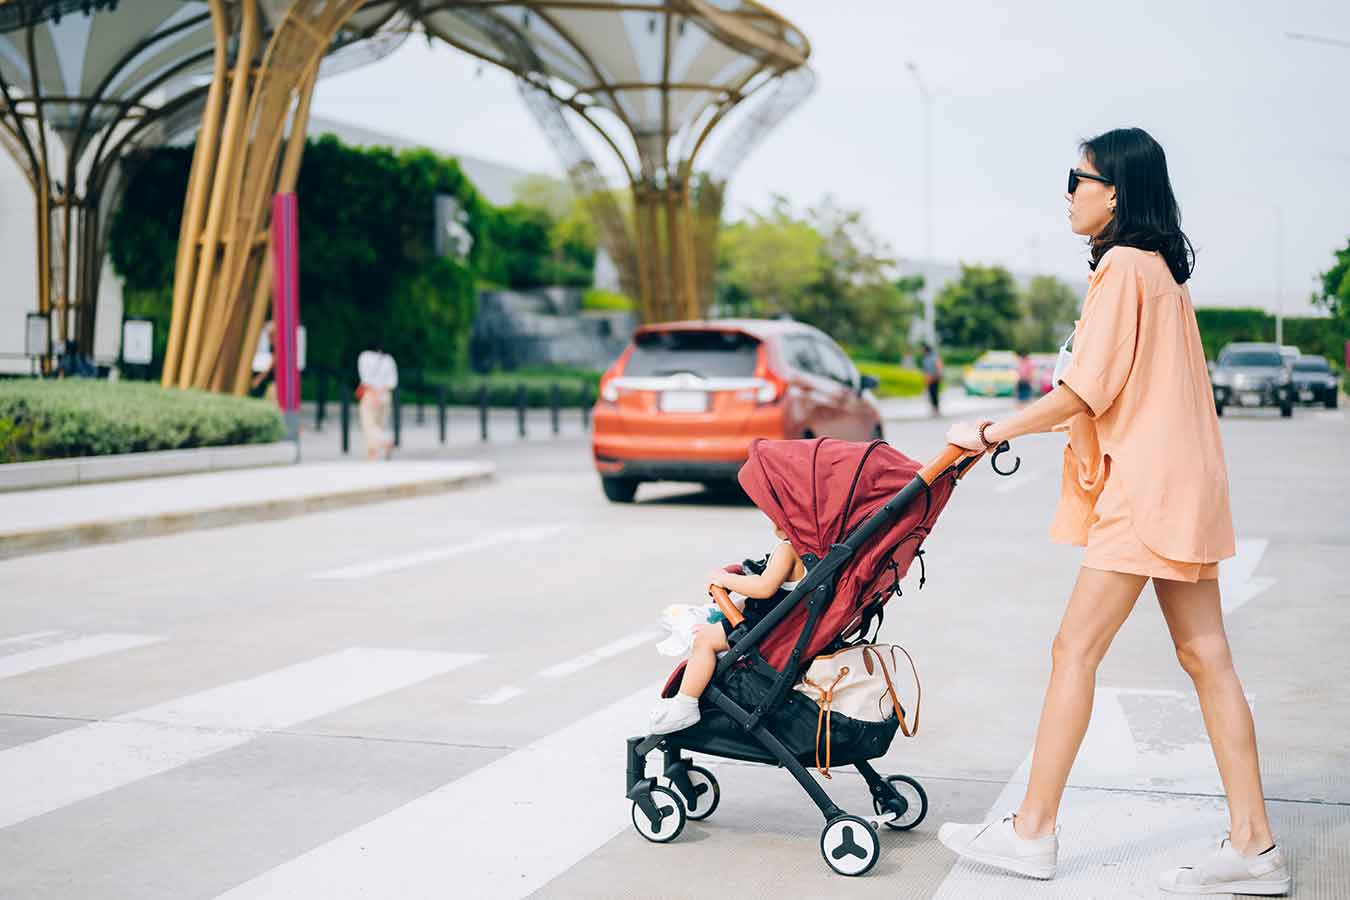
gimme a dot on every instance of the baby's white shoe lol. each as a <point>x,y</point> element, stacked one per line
<point>672,714</point>
<point>997,844</point>
<point>1225,871</point>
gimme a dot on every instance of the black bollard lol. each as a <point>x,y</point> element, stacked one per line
<point>483,412</point>
<point>440,409</point>
<point>421,397</point>
<point>398,417</point>
<point>555,401</point>
<point>320,410</point>
<point>586,406</point>
<point>345,413</point>
<point>520,410</point>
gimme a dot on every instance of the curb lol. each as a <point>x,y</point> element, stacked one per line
<point>114,530</point>
<point>51,473</point>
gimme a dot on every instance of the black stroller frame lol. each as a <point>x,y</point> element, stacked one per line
<point>849,843</point>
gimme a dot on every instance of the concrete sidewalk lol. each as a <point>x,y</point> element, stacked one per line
<point>33,521</point>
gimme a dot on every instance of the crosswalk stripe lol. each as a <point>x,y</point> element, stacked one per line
<point>502,831</point>
<point>613,648</point>
<point>422,557</point>
<point>1126,789</point>
<point>31,637</point>
<point>68,651</point>
<point>56,771</point>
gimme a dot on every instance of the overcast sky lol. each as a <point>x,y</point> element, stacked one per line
<point>1253,122</point>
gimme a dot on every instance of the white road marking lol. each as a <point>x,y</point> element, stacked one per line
<point>614,648</point>
<point>1238,582</point>
<point>1148,741</point>
<point>1331,415</point>
<point>69,651</point>
<point>1019,480</point>
<point>502,831</point>
<point>422,557</point>
<point>500,695</point>
<point>31,638</point>
<point>56,771</point>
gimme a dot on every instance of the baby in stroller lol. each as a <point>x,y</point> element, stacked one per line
<point>767,583</point>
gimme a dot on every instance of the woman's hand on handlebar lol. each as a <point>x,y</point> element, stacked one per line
<point>966,435</point>
<point>716,576</point>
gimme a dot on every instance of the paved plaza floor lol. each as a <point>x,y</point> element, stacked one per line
<point>428,697</point>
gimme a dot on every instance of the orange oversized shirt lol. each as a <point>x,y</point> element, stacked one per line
<point>1139,365</point>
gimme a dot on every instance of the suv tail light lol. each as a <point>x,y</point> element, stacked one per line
<point>609,392</point>
<point>772,387</point>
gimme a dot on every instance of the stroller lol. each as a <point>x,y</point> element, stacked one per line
<point>858,514</point>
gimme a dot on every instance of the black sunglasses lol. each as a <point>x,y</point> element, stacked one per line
<point>1076,176</point>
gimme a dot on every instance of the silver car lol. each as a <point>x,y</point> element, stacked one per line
<point>1252,375</point>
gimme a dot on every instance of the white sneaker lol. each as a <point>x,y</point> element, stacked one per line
<point>1226,871</point>
<point>997,844</point>
<point>672,714</point>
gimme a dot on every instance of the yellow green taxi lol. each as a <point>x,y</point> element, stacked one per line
<point>994,374</point>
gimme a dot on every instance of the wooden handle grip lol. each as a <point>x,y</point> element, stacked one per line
<point>950,456</point>
<point>723,601</point>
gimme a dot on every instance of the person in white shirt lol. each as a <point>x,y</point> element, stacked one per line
<point>379,376</point>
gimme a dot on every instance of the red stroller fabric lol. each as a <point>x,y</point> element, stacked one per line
<point>818,491</point>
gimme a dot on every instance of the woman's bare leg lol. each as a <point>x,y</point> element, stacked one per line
<point>1098,606</point>
<point>709,640</point>
<point>1195,618</point>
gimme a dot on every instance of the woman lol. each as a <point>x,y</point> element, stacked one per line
<point>1145,489</point>
<point>1026,370</point>
<point>379,377</point>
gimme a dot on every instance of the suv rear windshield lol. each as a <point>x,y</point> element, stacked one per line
<point>709,354</point>
<point>1267,358</point>
<point>1312,365</point>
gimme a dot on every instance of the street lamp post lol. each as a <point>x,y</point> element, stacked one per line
<point>929,314</point>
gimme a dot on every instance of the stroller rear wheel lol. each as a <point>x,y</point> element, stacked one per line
<point>668,810</point>
<point>850,845</point>
<point>910,802</point>
<point>706,793</point>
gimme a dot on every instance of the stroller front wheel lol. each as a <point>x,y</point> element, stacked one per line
<point>910,794</point>
<point>668,811</point>
<point>850,845</point>
<point>706,793</point>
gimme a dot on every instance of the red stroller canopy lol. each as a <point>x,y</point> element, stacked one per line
<point>818,491</point>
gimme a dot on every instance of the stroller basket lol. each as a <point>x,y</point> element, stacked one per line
<point>854,544</point>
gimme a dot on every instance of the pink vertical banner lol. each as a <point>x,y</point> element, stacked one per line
<point>285,301</point>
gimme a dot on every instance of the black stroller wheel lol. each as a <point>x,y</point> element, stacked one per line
<point>912,795</point>
<point>670,808</point>
<point>850,845</point>
<point>707,794</point>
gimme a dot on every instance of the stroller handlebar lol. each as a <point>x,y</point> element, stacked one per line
<point>963,459</point>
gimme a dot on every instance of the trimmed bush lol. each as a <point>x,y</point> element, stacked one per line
<point>896,381</point>
<point>82,417</point>
<point>606,301</point>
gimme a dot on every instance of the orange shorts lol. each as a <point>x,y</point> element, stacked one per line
<point>1113,545</point>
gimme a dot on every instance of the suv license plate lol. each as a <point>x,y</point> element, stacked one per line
<point>1250,399</point>
<point>684,401</point>
<point>1305,395</point>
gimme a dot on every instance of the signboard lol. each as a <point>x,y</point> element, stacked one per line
<point>138,342</point>
<point>300,340</point>
<point>37,335</point>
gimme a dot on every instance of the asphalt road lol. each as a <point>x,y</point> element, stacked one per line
<point>427,698</point>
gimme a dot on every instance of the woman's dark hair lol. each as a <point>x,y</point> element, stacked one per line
<point>1146,214</point>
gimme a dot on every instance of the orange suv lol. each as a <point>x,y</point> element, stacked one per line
<point>685,399</point>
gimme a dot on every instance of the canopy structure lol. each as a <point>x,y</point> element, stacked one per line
<point>654,78</point>
<point>79,93</point>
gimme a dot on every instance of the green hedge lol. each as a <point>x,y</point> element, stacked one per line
<point>1221,326</point>
<point>607,301</point>
<point>81,417</point>
<point>896,381</point>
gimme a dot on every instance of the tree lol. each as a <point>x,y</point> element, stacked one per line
<point>1049,307</point>
<point>1335,294</point>
<point>979,309</point>
<point>771,259</point>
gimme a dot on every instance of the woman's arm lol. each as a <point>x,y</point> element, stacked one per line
<point>1053,409</point>
<point>761,587</point>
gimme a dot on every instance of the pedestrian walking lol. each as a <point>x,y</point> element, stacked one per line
<point>931,366</point>
<point>263,382</point>
<point>379,376</point>
<point>1026,370</point>
<point>1145,489</point>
